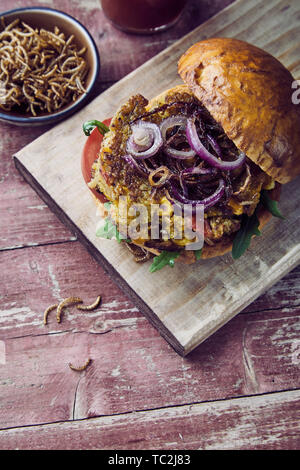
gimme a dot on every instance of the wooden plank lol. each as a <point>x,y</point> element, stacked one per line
<point>265,422</point>
<point>19,212</point>
<point>284,295</point>
<point>133,368</point>
<point>187,304</point>
<point>25,220</point>
<point>39,275</point>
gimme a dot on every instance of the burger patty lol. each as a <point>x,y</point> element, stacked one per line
<point>114,176</point>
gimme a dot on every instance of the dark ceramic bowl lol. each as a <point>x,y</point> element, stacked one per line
<point>47,18</point>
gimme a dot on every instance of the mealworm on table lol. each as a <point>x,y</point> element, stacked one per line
<point>64,303</point>
<point>48,310</point>
<point>92,306</point>
<point>81,367</point>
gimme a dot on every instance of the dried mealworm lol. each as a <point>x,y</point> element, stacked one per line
<point>81,367</point>
<point>26,53</point>
<point>64,303</point>
<point>47,311</point>
<point>92,306</point>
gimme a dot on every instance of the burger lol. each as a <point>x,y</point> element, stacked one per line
<point>226,139</point>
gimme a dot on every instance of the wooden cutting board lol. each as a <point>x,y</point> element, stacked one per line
<point>187,303</point>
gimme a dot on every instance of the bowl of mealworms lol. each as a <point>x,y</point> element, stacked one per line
<point>49,65</point>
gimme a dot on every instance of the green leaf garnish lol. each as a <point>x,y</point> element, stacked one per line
<point>249,227</point>
<point>88,126</point>
<point>120,238</point>
<point>107,205</point>
<point>109,230</point>
<point>198,254</point>
<point>166,258</point>
<point>270,204</point>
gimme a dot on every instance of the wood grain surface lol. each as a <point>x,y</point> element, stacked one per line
<point>239,389</point>
<point>239,424</point>
<point>187,303</point>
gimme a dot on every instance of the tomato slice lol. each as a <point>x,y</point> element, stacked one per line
<point>89,155</point>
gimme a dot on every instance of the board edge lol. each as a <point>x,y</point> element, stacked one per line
<point>95,253</point>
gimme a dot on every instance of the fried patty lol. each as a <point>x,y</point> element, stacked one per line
<point>114,177</point>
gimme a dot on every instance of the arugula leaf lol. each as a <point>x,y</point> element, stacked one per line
<point>107,205</point>
<point>88,126</point>
<point>109,230</point>
<point>270,204</point>
<point>198,254</point>
<point>120,237</point>
<point>166,258</point>
<point>249,227</point>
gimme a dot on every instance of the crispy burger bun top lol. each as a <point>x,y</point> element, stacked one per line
<point>249,93</point>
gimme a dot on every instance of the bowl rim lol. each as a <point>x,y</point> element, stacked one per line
<point>80,101</point>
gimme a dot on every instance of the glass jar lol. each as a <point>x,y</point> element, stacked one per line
<point>143,16</point>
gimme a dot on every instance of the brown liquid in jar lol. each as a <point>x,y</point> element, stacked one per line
<point>143,15</point>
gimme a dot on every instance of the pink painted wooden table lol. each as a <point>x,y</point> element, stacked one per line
<point>238,390</point>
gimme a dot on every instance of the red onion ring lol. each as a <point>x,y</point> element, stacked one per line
<point>168,123</point>
<point>180,154</point>
<point>154,133</point>
<point>165,175</point>
<point>193,171</point>
<point>215,145</point>
<point>183,185</point>
<point>207,202</point>
<point>196,170</point>
<point>137,147</point>
<point>196,144</point>
<point>135,165</point>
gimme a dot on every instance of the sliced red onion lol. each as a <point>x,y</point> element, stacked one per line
<point>170,122</point>
<point>154,137</point>
<point>180,154</point>
<point>164,173</point>
<point>141,139</point>
<point>183,186</point>
<point>196,170</point>
<point>207,202</point>
<point>135,165</point>
<point>167,124</point>
<point>215,145</point>
<point>199,148</point>
<point>193,171</point>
